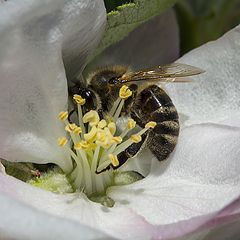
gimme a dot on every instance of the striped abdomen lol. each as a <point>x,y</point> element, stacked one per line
<point>153,104</point>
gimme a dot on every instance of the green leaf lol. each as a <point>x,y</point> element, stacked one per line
<point>113,4</point>
<point>201,21</point>
<point>128,16</point>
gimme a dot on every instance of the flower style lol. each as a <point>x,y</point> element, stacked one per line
<point>192,192</point>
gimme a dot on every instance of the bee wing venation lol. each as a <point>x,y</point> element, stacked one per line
<point>166,73</point>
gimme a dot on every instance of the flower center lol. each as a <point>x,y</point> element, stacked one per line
<point>93,145</point>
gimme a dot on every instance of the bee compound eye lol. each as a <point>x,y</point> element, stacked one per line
<point>113,81</point>
<point>91,100</point>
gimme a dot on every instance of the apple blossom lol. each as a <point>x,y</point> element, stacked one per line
<point>197,189</point>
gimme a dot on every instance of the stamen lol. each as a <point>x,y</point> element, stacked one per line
<point>70,127</point>
<point>105,144</point>
<point>91,136</point>
<point>77,146</point>
<point>102,124</point>
<point>79,100</point>
<point>96,148</point>
<point>84,144</point>
<point>112,127</point>
<point>118,111</point>
<point>136,138</point>
<point>125,92</point>
<point>131,123</point>
<point>62,141</point>
<point>114,160</point>
<point>92,118</point>
<point>77,130</point>
<point>151,124</point>
<point>117,140</point>
<point>63,116</point>
<point>115,106</point>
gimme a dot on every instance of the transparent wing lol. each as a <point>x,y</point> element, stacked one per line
<point>175,72</point>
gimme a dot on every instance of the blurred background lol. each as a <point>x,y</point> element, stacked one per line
<point>199,21</point>
<point>165,38</point>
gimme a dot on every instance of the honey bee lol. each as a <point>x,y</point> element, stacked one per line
<point>148,102</point>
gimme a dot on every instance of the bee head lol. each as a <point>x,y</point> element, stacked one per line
<point>101,79</point>
<point>86,93</point>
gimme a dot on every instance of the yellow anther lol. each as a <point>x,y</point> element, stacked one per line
<point>102,124</point>
<point>70,127</point>
<point>125,92</point>
<point>62,141</point>
<point>81,145</point>
<point>84,144</point>
<point>117,139</point>
<point>101,136</point>
<point>77,130</point>
<point>92,117</point>
<point>131,123</point>
<point>114,160</point>
<point>91,136</point>
<point>112,127</point>
<point>78,99</point>
<point>108,132</point>
<point>151,125</point>
<point>77,146</point>
<point>136,138</point>
<point>105,144</point>
<point>63,116</point>
<point>104,138</point>
<point>92,146</point>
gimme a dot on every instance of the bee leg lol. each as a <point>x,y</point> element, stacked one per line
<point>103,170</point>
<point>131,151</point>
<point>100,113</point>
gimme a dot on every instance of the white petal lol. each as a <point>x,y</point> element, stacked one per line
<point>205,153</point>
<point>214,95</point>
<point>200,178</point>
<point>33,87</point>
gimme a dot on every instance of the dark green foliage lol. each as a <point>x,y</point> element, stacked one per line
<point>201,20</point>
<point>113,4</point>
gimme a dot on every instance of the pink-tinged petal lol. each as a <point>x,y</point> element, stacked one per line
<point>40,206</point>
<point>214,95</point>
<point>47,211</point>
<point>20,221</point>
<point>2,169</point>
<point>33,85</point>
